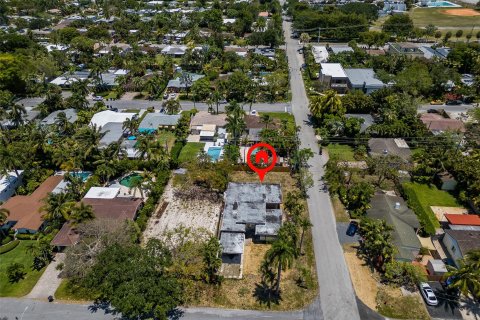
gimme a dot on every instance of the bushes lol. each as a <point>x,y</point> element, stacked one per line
<point>6,240</point>
<point>155,194</point>
<point>175,153</point>
<point>26,236</point>
<point>9,246</point>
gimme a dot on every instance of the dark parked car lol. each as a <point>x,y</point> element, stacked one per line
<point>453,102</point>
<point>352,228</point>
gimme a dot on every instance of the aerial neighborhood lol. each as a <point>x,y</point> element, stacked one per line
<point>243,159</point>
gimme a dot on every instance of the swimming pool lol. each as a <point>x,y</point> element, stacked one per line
<point>128,180</point>
<point>82,174</point>
<point>441,4</point>
<point>214,153</point>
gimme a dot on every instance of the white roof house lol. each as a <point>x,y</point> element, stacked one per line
<point>102,118</point>
<point>102,193</point>
<point>334,70</point>
<point>320,54</point>
<point>8,183</point>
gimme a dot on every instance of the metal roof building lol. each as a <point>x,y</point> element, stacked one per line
<point>71,115</point>
<point>363,79</point>
<point>153,121</point>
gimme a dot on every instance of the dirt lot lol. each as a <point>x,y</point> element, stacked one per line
<point>462,12</point>
<point>200,214</point>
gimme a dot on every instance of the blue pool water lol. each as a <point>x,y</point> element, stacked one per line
<point>441,4</point>
<point>214,153</point>
<point>82,174</point>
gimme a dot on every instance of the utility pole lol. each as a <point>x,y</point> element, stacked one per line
<point>318,36</point>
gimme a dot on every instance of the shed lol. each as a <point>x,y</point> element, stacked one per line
<point>436,267</point>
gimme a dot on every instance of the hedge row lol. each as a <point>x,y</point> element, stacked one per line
<point>153,198</point>
<point>175,153</point>
<point>427,219</point>
<point>9,246</point>
<point>26,236</point>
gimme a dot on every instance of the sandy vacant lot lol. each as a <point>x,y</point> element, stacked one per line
<point>174,213</point>
<point>462,12</point>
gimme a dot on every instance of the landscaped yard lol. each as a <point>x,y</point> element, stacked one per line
<point>280,116</point>
<point>166,138</point>
<point>190,151</point>
<point>24,286</point>
<point>437,16</point>
<point>340,152</point>
<point>68,291</point>
<point>421,196</point>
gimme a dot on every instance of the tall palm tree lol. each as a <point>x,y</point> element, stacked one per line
<point>466,278</point>
<point>9,159</point>
<point>4,213</point>
<point>137,184</point>
<point>57,207</point>
<point>315,105</point>
<point>304,224</point>
<point>235,126</point>
<point>172,106</point>
<point>105,172</point>
<point>281,255</point>
<point>62,123</point>
<point>16,114</point>
<point>130,125</point>
<point>266,119</point>
<point>81,213</point>
<point>216,97</point>
<point>186,80</point>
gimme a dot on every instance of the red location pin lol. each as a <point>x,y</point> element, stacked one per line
<point>261,157</point>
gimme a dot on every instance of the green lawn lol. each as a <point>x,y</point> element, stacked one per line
<point>280,116</point>
<point>421,197</point>
<point>25,285</point>
<point>68,291</point>
<point>166,138</point>
<point>341,152</point>
<point>190,151</point>
<point>425,16</point>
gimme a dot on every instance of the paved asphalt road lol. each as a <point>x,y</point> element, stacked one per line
<point>460,108</point>
<point>337,297</point>
<point>186,105</point>
<point>27,309</point>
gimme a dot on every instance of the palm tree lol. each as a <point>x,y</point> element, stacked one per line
<point>172,106</point>
<point>266,119</point>
<point>130,125</point>
<point>281,255</point>
<point>186,81</point>
<point>235,125</point>
<point>216,98</point>
<point>466,278</point>
<point>105,172</point>
<point>377,244</point>
<point>16,114</point>
<point>315,105</point>
<point>304,38</point>
<point>9,159</point>
<point>304,225</point>
<point>137,183</point>
<point>57,207</point>
<point>82,212</point>
<point>62,123</point>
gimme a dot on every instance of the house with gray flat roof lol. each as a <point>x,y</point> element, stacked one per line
<point>252,210</point>
<point>153,121</point>
<point>405,224</point>
<point>113,132</point>
<point>52,117</point>
<point>363,79</point>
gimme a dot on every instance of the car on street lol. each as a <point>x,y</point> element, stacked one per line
<point>253,112</point>
<point>428,294</point>
<point>352,228</point>
<point>172,96</point>
<point>432,111</point>
<point>436,102</point>
<point>453,102</point>
<point>97,98</point>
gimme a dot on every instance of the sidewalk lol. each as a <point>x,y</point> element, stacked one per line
<point>49,281</point>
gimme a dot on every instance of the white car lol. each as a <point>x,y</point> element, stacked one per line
<point>428,294</point>
<point>172,96</point>
<point>98,98</point>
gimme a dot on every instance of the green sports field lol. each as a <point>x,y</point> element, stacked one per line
<point>436,16</point>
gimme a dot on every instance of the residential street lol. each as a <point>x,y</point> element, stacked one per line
<point>337,297</point>
<point>186,105</point>
<point>26,309</point>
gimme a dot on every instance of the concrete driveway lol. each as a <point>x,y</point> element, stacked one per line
<point>342,234</point>
<point>448,307</point>
<point>49,281</point>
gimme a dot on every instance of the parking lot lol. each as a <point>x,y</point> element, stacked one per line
<point>448,306</point>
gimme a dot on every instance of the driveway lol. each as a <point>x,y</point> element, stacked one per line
<point>342,234</point>
<point>448,306</point>
<point>337,296</point>
<point>49,281</point>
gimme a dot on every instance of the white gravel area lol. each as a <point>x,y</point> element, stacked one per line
<point>194,214</point>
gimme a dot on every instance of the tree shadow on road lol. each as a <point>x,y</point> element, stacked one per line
<point>266,295</point>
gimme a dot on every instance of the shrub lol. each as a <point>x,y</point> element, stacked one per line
<point>26,236</point>
<point>6,240</point>
<point>9,246</point>
<point>15,272</point>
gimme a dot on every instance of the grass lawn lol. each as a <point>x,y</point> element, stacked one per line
<point>425,16</point>
<point>280,116</point>
<point>70,292</point>
<point>341,152</point>
<point>341,214</point>
<point>25,285</point>
<point>166,138</point>
<point>421,197</point>
<point>400,307</point>
<point>190,151</point>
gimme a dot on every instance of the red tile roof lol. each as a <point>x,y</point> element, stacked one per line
<point>26,210</point>
<point>463,219</point>
<point>67,236</point>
